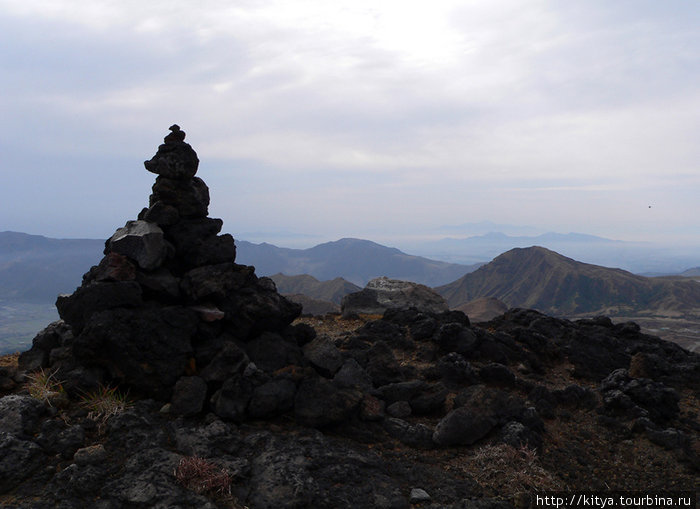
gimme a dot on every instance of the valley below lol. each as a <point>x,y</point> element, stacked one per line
<point>20,322</point>
<point>682,331</point>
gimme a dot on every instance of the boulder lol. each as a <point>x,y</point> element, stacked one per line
<point>214,282</point>
<point>272,398</point>
<point>516,434</point>
<point>113,267</point>
<point>189,395</point>
<point>140,241</point>
<point>229,361</point>
<point>455,370</point>
<point>19,459</point>
<point>56,334</point>
<point>77,308</point>
<point>20,415</point>
<point>319,403</point>
<point>383,293</point>
<point>634,397</point>
<point>463,426</point>
<point>160,285</point>
<point>324,356</point>
<point>414,435</point>
<point>351,374</point>
<point>400,409</point>
<point>231,401</point>
<point>271,351</point>
<point>497,374</point>
<point>455,337</point>
<point>161,214</point>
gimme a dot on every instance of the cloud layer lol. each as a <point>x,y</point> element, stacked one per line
<point>357,117</point>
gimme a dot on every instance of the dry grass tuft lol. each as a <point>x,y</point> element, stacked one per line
<point>502,466</point>
<point>104,403</point>
<point>43,386</point>
<point>202,476</point>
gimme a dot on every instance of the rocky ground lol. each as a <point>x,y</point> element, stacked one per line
<point>468,430</point>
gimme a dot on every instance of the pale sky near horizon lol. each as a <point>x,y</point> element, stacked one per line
<point>374,119</point>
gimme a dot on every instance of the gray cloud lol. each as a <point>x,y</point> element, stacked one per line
<point>354,117</point>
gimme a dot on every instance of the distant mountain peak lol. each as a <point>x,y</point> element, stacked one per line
<point>536,277</point>
<point>356,260</point>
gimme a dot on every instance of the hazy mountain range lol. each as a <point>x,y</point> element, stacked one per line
<point>355,260</point>
<point>637,257</point>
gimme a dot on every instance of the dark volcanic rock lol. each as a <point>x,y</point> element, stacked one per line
<point>140,241</point>
<point>113,267</point>
<point>497,374</point>
<point>146,349</point>
<point>271,352</point>
<point>19,459</point>
<point>76,309</point>
<point>272,398</point>
<point>20,415</point>
<point>175,159</point>
<point>351,374</point>
<point>454,337</point>
<point>189,197</point>
<point>639,397</point>
<point>455,370</point>
<point>414,435</point>
<point>189,395</point>
<point>324,356</point>
<point>55,335</point>
<point>229,360</point>
<point>462,427</point>
<point>319,403</point>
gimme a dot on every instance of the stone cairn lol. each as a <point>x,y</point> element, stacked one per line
<point>168,315</point>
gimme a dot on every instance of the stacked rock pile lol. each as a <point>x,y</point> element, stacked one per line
<point>167,300</point>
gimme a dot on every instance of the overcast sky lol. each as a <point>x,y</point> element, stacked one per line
<point>368,118</point>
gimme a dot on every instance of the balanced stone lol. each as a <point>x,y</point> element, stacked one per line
<point>175,159</point>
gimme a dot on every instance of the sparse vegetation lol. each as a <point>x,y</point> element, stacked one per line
<point>504,467</point>
<point>203,476</point>
<point>43,386</point>
<point>103,403</point>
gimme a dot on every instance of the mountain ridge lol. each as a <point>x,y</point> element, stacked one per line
<point>356,260</point>
<point>542,279</point>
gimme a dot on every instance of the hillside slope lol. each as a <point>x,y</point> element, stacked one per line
<point>355,260</point>
<point>538,278</point>
<point>332,291</point>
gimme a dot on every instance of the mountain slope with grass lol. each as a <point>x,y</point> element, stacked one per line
<point>541,279</point>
